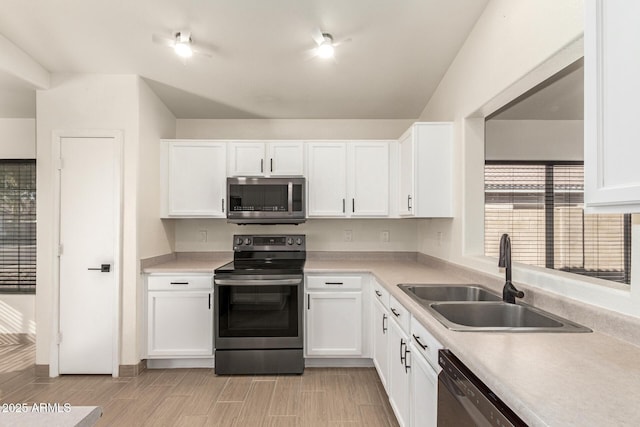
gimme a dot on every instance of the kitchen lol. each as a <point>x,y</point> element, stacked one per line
<point>461,96</point>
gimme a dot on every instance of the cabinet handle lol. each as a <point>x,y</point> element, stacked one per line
<point>271,164</point>
<point>261,165</point>
<point>379,293</point>
<point>353,205</point>
<point>308,302</point>
<point>384,326</point>
<point>179,283</point>
<point>402,354</point>
<point>407,366</point>
<point>395,313</point>
<point>424,347</point>
<point>222,205</point>
<point>409,202</point>
<point>334,283</point>
<point>209,301</point>
<point>343,210</point>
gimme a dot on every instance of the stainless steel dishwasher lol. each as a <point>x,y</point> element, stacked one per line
<point>463,400</point>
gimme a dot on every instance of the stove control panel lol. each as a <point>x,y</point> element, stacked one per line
<point>269,242</point>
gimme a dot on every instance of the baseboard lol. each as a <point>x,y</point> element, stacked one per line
<point>132,370</point>
<point>338,363</point>
<point>42,371</point>
<point>180,363</point>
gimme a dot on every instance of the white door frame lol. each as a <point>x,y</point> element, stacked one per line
<point>57,136</point>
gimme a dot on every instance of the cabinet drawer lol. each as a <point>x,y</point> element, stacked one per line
<point>425,343</point>
<point>334,282</point>
<point>400,314</point>
<point>380,293</point>
<point>182,282</point>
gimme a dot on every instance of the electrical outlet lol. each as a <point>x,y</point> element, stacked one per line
<point>202,236</point>
<point>384,236</point>
<point>348,235</point>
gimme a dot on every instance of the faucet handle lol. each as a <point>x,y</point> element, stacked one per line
<point>510,293</point>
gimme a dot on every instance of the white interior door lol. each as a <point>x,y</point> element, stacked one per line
<point>89,212</point>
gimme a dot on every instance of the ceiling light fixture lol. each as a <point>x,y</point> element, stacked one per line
<point>326,49</point>
<point>183,44</point>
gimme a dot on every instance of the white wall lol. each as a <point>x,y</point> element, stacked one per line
<point>17,138</point>
<point>154,236</point>
<point>291,129</point>
<point>322,234</point>
<point>17,141</point>
<point>87,101</point>
<point>17,314</point>
<point>534,140</point>
<point>513,47</point>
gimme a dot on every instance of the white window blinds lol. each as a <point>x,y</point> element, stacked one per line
<point>17,226</point>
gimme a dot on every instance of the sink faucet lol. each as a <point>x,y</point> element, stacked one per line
<point>509,292</point>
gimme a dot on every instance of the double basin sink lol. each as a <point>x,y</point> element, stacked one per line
<point>474,308</point>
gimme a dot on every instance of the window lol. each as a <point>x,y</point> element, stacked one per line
<point>540,205</point>
<point>17,226</point>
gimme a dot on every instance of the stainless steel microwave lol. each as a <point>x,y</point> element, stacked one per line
<point>266,200</point>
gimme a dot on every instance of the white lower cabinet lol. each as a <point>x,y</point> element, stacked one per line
<point>399,373</point>
<point>179,316</point>
<point>334,324</point>
<point>424,376</point>
<point>380,327</point>
<point>335,316</point>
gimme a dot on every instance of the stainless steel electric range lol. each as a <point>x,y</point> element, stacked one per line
<point>258,306</point>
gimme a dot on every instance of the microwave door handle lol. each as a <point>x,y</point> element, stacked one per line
<point>290,197</point>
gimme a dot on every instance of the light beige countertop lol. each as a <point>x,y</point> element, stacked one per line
<point>548,379</point>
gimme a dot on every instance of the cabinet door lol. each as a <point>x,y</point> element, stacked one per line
<point>285,158</point>
<point>424,392</point>
<point>180,323</point>
<point>368,178</point>
<point>334,324</point>
<point>246,158</point>
<point>380,327</point>
<point>399,373</point>
<point>611,92</point>
<point>194,179</point>
<point>327,179</point>
<point>406,174</point>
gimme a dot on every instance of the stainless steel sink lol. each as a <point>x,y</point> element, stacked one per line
<point>431,293</point>
<point>475,308</point>
<point>500,317</point>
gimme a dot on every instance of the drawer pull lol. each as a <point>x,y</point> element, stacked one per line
<point>379,293</point>
<point>395,313</point>
<point>334,283</point>
<point>179,283</point>
<point>417,339</point>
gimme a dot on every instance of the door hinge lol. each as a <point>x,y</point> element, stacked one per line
<point>59,338</point>
<point>60,249</point>
<point>60,164</point>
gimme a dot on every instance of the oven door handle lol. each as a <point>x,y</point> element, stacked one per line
<point>256,282</point>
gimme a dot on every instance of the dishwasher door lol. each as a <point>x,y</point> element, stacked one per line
<point>463,400</point>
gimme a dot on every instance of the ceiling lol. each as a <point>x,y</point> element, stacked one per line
<point>261,65</point>
<point>561,97</point>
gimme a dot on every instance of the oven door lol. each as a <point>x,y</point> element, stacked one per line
<point>258,312</point>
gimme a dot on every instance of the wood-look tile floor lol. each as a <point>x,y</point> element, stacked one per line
<point>197,397</point>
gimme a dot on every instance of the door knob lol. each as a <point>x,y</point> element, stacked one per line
<point>104,268</point>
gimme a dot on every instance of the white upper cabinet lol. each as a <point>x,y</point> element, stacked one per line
<point>368,178</point>
<point>193,174</point>
<point>425,171</point>
<point>327,178</point>
<point>273,158</point>
<point>348,179</point>
<point>612,90</point>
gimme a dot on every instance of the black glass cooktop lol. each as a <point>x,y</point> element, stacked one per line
<point>290,266</point>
